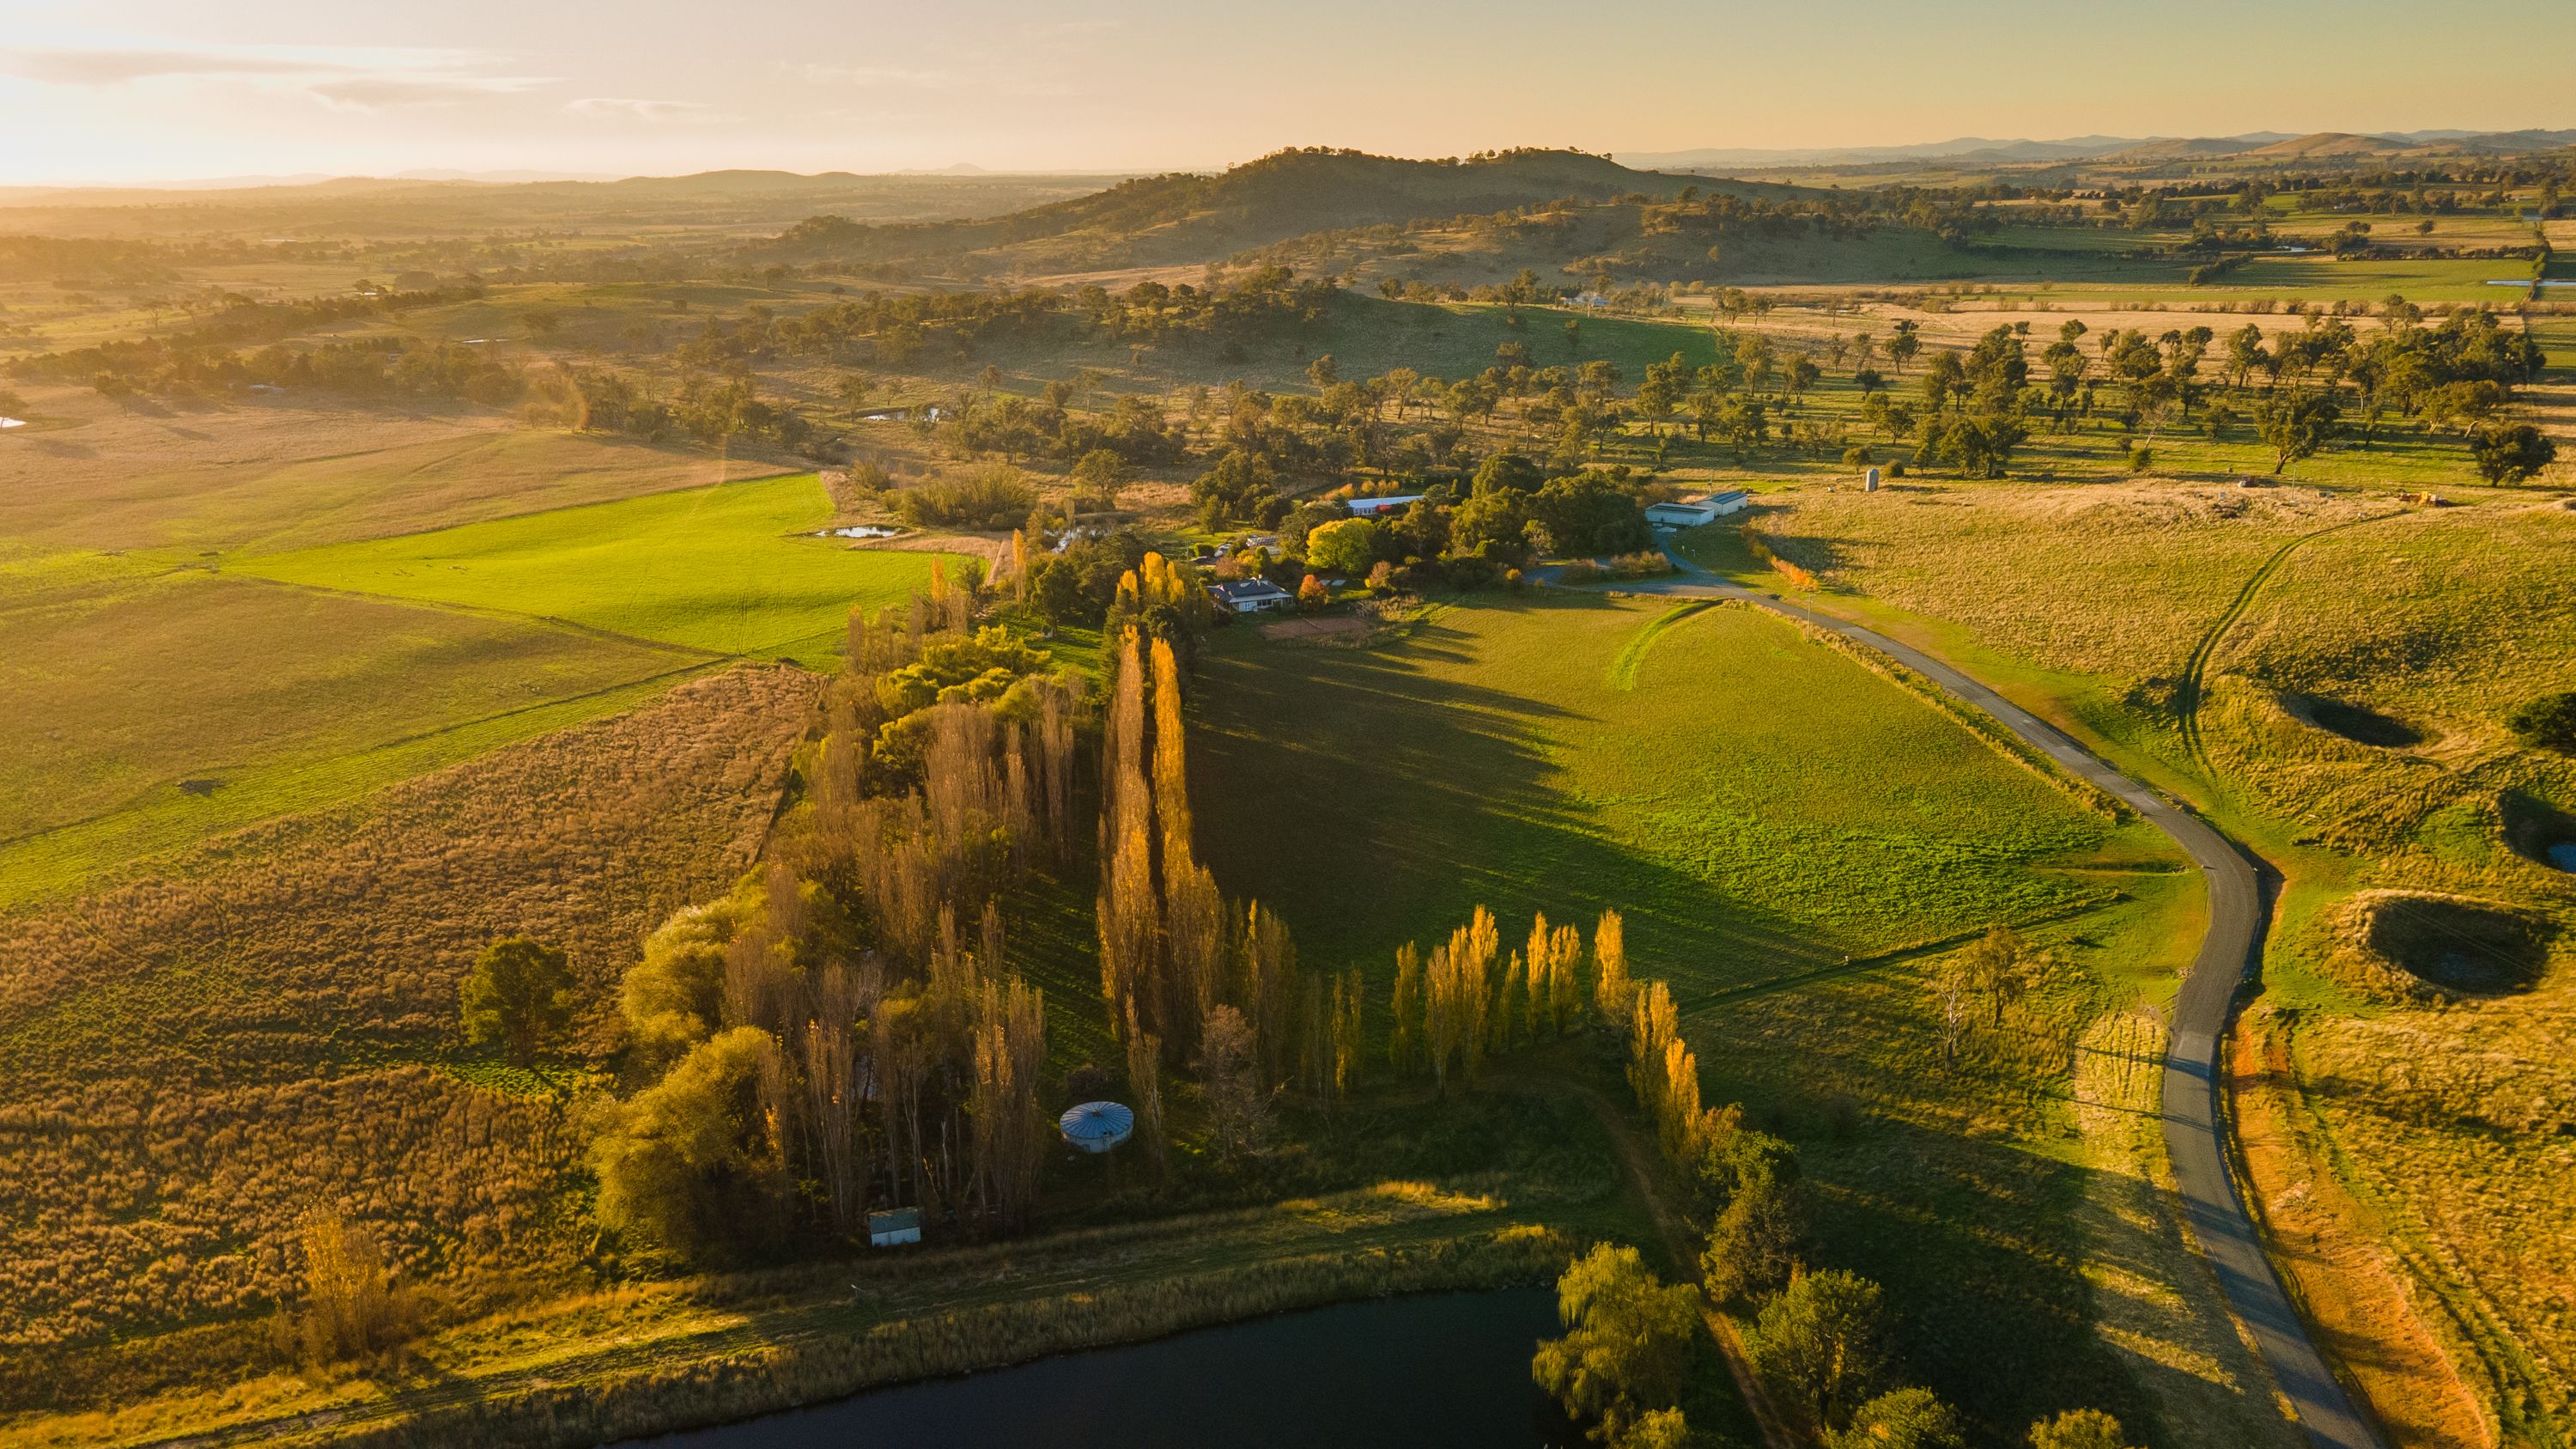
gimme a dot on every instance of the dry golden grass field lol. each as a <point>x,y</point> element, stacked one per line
<point>190,1059</point>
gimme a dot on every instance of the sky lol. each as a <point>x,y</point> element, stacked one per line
<point>161,90</point>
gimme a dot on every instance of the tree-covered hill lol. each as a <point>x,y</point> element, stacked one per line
<point>1185,217</point>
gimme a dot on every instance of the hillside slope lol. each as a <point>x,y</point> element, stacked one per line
<point>1184,217</point>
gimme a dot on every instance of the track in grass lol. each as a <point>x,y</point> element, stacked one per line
<point>1632,655</point>
<point>2196,670</point>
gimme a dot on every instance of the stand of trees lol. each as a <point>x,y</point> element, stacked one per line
<point>2302,391</point>
<point>1469,1001</point>
<point>843,1032</point>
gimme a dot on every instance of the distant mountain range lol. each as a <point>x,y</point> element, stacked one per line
<point>1980,149</point>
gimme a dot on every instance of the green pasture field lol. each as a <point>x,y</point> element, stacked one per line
<point>1754,803</point>
<point>1760,807</point>
<point>153,711</point>
<point>722,569</point>
<point>2557,336</point>
<point>159,701</point>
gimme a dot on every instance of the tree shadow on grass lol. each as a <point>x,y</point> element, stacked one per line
<point>1939,1194</point>
<point>1371,801</point>
<point>1976,1244</point>
<point>2023,1283</point>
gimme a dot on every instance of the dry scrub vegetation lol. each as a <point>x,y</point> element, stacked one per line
<point>266,1026</point>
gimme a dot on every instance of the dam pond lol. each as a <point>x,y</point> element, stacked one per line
<point>1439,1371</point>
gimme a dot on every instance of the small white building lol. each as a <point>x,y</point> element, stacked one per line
<point>894,1227</point>
<point>1692,512</point>
<point>1250,596</point>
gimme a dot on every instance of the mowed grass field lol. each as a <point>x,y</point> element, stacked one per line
<point>724,569</point>
<point>1760,807</point>
<point>158,695</point>
<point>1753,802</point>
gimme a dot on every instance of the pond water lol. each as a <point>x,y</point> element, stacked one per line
<point>861,530</point>
<point>1442,1371</point>
<point>2563,855</point>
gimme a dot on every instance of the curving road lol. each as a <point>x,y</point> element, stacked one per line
<point>2192,1105</point>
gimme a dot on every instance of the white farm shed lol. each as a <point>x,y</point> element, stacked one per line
<point>1692,512</point>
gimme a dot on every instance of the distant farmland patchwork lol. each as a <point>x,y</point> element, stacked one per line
<point>313,676</point>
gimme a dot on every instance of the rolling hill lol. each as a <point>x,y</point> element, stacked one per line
<point>1184,217</point>
<point>2324,144</point>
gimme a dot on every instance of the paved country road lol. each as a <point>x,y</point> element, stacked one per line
<point>2191,1093</point>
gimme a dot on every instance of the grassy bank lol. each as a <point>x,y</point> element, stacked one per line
<point>597,1367</point>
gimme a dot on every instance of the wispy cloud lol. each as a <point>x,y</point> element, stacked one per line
<point>880,77</point>
<point>118,67</point>
<point>662,113</point>
<point>346,79</point>
<point>1052,30</point>
<point>384,92</point>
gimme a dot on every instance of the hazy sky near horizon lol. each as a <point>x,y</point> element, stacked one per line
<point>135,90</point>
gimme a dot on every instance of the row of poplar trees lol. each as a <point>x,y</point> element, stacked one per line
<point>1195,983</point>
<point>1469,1002</point>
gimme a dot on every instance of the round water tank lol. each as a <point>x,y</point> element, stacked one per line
<point>1096,1126</point>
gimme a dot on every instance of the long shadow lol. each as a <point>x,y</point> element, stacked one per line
<point>1373,802</point>
<point>1973,1236</point>
<point>1969,1238</point>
